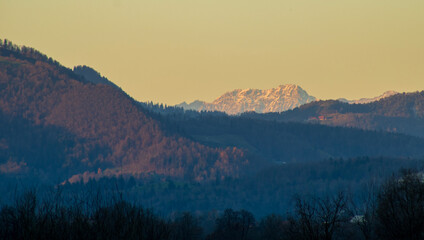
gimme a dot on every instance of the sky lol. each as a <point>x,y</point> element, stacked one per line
<point>170,51</point>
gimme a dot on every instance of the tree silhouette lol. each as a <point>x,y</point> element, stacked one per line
<point>400,210</point>
<point>233,225</point>
<point>319,218</point>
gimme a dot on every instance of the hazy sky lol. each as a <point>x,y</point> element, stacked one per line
<point>171,51</point>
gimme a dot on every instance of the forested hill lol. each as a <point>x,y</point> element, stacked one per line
<point>295,142</point>
<point>96,127</point>
<point>282,141</point>
<point>402,113</point>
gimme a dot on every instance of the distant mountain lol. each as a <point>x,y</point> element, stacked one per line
<point>279,99</point>
<point>368,100</point>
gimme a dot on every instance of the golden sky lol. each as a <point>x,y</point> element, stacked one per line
<point>171,51</point>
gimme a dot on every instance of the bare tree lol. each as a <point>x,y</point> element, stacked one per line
<point>400,209</point>
<point>364,211</point>
<point>318,218</point>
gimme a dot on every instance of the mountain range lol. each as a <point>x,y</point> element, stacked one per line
<point>280,99</point>
<point>368,100</point>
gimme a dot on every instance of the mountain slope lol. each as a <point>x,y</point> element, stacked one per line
<point>279,99</point>
<point>111,130</point>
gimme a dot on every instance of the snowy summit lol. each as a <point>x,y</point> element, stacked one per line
<point>280,99</point>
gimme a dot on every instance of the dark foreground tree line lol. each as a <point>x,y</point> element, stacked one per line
<point>394,210</point>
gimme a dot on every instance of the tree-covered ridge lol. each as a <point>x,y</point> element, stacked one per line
<point>29,54</point>
<point>285,141</point>
<point>294,142</point>
<point>118,134</point>
<point>401,113</point>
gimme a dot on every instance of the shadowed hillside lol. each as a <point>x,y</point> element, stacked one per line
<point>295,142</point>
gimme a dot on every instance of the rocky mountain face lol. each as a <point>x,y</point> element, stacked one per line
<point>282,98</point>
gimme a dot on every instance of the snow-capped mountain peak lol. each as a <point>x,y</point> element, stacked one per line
<point>368,100</point>
<point>279,99</point>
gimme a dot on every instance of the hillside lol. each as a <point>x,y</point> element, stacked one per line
<point>294,142</point>
<point>401,113</point>
<point>112,133</point>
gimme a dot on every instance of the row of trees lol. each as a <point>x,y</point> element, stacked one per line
<point>8,48</point>
<point>394,210</point>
